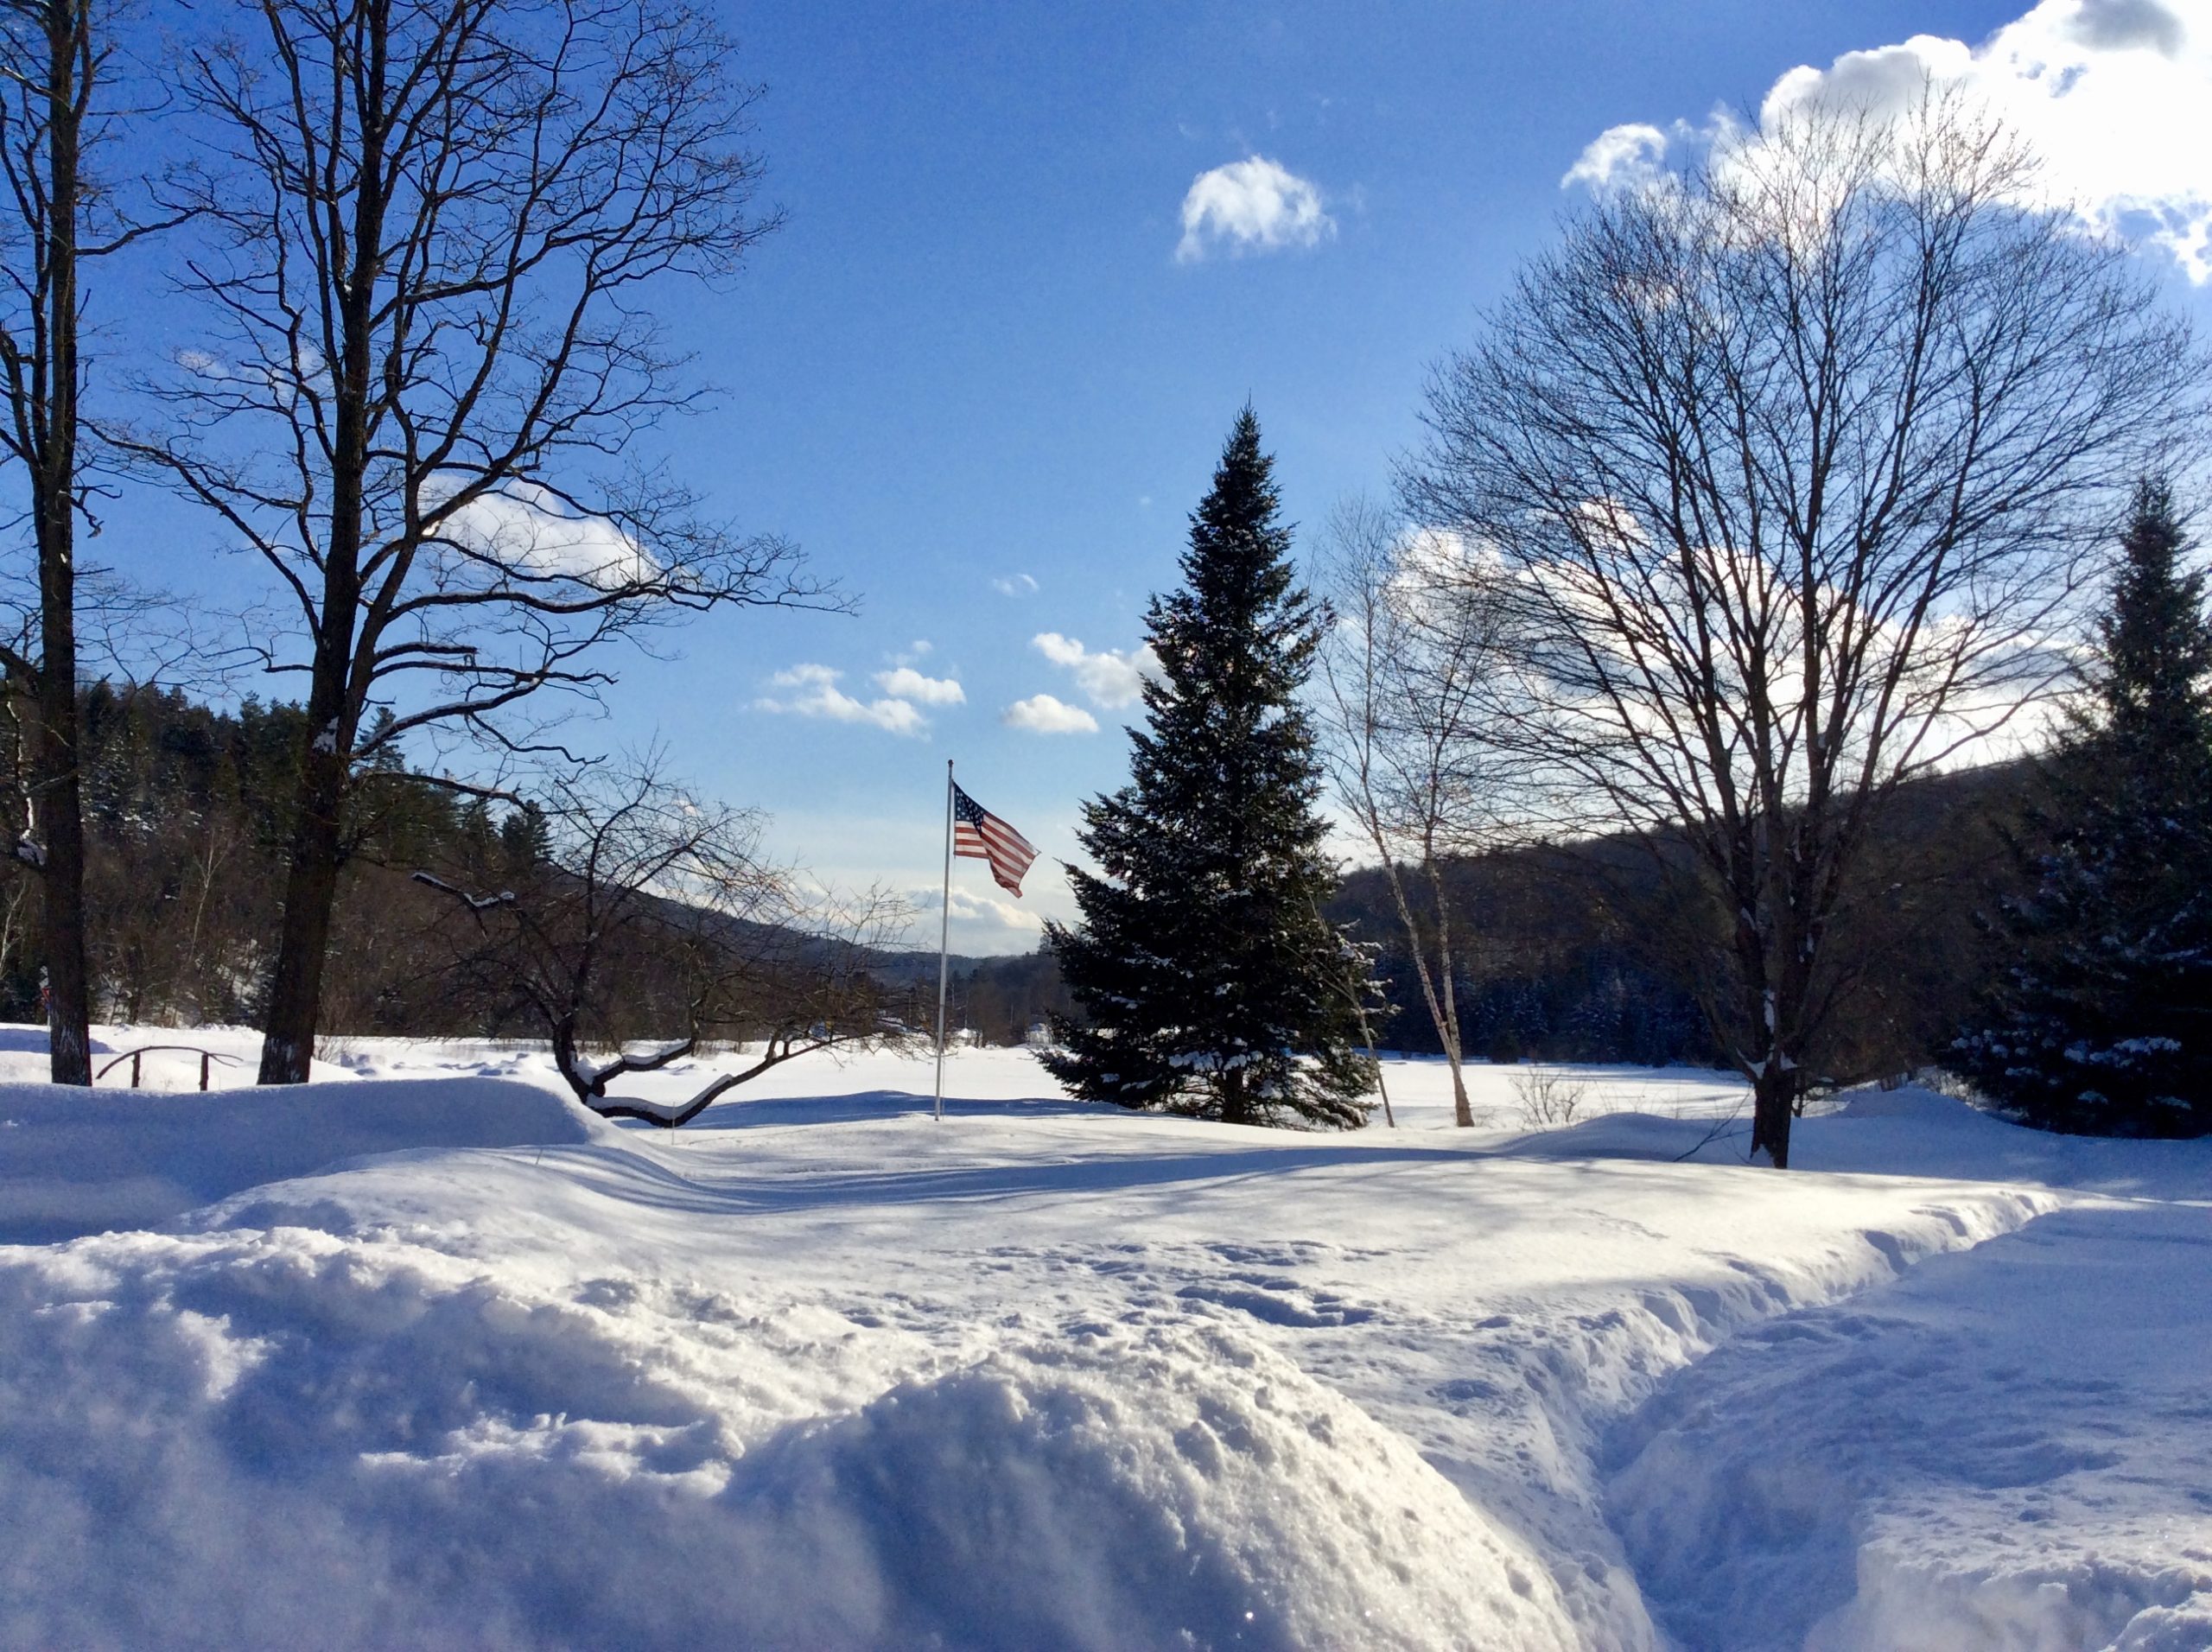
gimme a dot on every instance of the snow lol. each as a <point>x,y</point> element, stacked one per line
<point>73,1164</point>
<point>424,1355</point>
<point>2008,1447</point>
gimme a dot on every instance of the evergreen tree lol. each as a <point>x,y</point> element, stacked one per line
<point>525,839</point>
<point>1209,980</point>
<point>2103,1024</point>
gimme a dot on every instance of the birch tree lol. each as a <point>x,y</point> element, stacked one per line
<point>1412,643</point>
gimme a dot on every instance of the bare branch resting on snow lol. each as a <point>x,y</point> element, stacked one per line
<point>634,876</point>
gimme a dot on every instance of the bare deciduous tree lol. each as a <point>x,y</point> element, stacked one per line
<point>55,110</point>
<point>1412,643</point>
<point>1796,463</point>
<point>436,230</point>
<point>642,903</point>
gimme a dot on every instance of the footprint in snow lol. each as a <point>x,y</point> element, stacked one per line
<point>1314,1311</point>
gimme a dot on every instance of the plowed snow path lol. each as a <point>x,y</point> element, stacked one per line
<point>2010,1448</point>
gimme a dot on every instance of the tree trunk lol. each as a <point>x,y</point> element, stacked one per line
<point>61,833</point>
<point>1462,1112</point>
<point>54,769</point>
<point>1443,1002</point>
<point>1235,1110</point>
<point>334,695</point>
<point>1774,1098</point>
<point>310,890</point>
<point>1447,1018</point>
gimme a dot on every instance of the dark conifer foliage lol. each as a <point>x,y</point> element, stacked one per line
<point>1210,981</point>
<point>187,813</point>
<point>2103,1023</point>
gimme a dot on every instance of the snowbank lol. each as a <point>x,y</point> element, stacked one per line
<point>296,1440</point>
<point>1181,1486</point>
<point>450,1362</point>
<point>74,1161</point>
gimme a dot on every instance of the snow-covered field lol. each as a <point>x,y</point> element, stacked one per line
<point>428,1357</point>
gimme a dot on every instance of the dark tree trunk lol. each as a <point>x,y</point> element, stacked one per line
<point>1234,1109</point>
<point>310,891</point>
<point>54,756</point>
<point>68,1011</point>
<point>335,691</point>
<point>1774,1100</point>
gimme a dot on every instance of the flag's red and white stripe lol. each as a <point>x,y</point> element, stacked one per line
<point>981,836</point>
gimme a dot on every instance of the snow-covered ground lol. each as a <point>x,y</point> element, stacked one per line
<point>429,1357</point>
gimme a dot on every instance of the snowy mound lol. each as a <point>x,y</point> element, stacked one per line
<point>284,1438</point>
<point>1187,1487</point>
<point>74,1161</point>
<point>1921,1106</point>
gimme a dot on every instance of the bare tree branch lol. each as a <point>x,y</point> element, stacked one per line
<point>1797,465</point>
<point>634,868</point>
<point>431,233</point>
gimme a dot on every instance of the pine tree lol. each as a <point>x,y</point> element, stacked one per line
<point>1209,980</point>
<point>2103,1023</point>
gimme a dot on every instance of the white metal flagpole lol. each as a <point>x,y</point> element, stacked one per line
<point>943,942</point>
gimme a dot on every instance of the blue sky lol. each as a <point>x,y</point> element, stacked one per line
<point>974,378</point>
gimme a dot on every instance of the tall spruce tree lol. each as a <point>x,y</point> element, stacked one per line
<point>1209,980</point>
<point>2102,1024</point>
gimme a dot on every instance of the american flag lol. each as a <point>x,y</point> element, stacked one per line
<point>979,835</point>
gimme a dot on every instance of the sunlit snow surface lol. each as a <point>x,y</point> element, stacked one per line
<point>820,1371</point>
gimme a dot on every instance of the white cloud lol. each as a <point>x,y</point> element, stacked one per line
<point>529,529</point>
<point>819,696</point>
<point>2115,95</point>
<point>1251,206</point>
<point>1110,678</point>
<point>907,684</point>
<point>1014,585</point>
<point>1040,713</point>
<point>1625,155</point>
<point>970,908</point>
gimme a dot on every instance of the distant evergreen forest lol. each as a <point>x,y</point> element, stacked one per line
<point>188,815</point>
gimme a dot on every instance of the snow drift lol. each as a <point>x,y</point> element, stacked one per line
<point>481,1369</point>
<point>296,1440</point>
<point>76,1161</point>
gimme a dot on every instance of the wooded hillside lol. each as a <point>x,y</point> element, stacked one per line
<point>187,819</point>
<point>1577,951</point>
